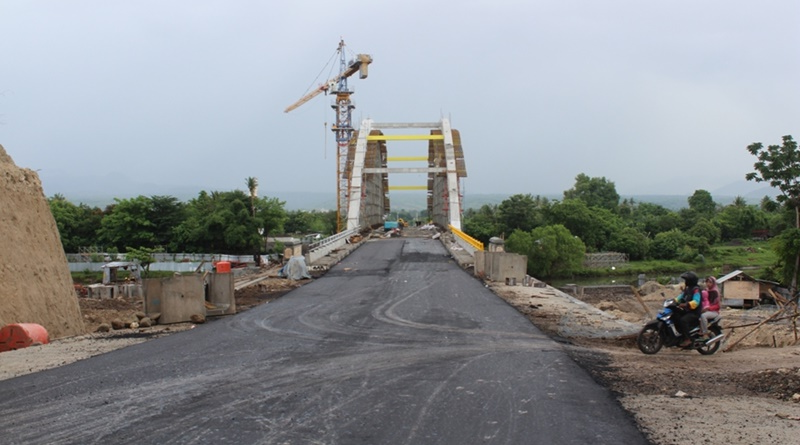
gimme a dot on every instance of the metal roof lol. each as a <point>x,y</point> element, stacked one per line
<point>736,273</point>
<point>731,275</point>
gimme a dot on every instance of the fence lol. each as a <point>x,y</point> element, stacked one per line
<point>604,259</point>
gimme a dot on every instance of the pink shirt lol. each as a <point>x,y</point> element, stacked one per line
<point>707,306</point>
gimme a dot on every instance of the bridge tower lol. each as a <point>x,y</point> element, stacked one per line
<point>367,172</point>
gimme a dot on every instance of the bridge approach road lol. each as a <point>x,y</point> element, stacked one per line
<point>394,345</point>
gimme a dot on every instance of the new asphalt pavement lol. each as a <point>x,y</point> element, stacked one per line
<point>396,344</point>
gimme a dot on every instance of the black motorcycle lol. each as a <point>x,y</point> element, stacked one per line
<point>663,332</point>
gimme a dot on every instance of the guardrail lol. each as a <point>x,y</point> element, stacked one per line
<point>324,246</point>
<point>467,242</point>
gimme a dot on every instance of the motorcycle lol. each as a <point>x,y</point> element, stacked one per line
<point>663,332</point>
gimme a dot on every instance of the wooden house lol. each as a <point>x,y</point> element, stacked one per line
<point>741,290</point>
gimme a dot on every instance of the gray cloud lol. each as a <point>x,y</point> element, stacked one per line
<point>658,97</point>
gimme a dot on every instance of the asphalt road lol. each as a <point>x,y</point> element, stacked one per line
<point>394,345</point>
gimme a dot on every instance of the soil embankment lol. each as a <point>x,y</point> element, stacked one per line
<point>33,267</point>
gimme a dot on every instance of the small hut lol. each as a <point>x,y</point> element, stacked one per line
<point>741,290</point>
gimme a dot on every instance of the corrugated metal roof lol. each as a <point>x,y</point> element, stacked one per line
<point>736,273</point>
<point>729,276</point>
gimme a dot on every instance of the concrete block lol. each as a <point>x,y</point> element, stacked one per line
<point>176,298</point>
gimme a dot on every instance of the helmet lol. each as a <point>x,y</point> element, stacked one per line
<point>690,278</point>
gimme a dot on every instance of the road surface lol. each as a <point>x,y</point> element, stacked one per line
<point>394,345</point>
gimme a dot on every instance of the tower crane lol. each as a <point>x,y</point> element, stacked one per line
<point>343,128</point>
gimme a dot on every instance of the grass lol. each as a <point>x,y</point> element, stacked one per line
<point>753,256</point>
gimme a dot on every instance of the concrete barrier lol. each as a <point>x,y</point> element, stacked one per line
<point>325,246</point>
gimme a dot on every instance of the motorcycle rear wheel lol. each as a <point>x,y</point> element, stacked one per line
<point>710,349</point>
<point>649,340</point>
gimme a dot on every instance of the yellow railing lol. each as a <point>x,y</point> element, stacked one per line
<point>470,240</point>
<point>405,137</point>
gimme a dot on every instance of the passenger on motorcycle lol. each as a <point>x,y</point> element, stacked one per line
<point>689,302</point>
<point>710,304</point>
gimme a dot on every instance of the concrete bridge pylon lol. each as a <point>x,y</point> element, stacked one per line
<point>367,172</point>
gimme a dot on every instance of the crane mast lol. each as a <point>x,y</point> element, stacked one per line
<point>343,127</point>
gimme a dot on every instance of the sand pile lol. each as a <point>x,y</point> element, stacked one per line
<point>36,283</point>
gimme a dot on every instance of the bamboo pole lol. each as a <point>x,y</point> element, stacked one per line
<point>729,347</point>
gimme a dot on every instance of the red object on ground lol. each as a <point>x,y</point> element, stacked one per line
<point>22,335</point>
<point>223,267</point>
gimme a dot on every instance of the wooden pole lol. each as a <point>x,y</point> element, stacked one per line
<point>729,347</point>
<point>639,297</point>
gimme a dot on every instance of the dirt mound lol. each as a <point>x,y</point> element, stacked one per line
<point>37,286</point>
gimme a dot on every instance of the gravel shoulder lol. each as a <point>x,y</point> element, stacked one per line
<point>750,394</point>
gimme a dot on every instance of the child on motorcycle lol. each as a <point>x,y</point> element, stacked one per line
<point>710,304</point>
<point>690,302</point>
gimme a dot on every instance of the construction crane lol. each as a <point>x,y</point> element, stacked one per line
<point>343,128</point>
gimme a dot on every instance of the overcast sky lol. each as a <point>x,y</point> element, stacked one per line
<point>659,97</point>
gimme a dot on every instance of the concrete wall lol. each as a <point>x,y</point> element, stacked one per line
<point>465,245</point>
<point>497,266</point>
<point>221,293</point>
<point>176,298</point>
<point>115,291</point>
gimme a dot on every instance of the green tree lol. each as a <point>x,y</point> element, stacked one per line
<point>626,208</point>
<point>595,192</point>
<point>520,212</point>
<point>482,224</point>
<point>786,245</point>
<point>768,205</point>
<point>220,222</point>
<point>779,165</point>
<point>270,215</point>
<point>144,256</point>
<point>705,230</point>
<point>676,244</point>
<point>594,226</point>
<point>630,241</point>
<point>737,221</point>
<point>551,250</point>
<point>653,218</point>
<point>129,224</point>
<point>141,222</point>
<point>702,202</point>
<point>299,221</point>
<point>77,224</point>
<point>166,213</point>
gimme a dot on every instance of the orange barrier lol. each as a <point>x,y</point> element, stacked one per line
<point>223,267</point>
<point>22,335</point>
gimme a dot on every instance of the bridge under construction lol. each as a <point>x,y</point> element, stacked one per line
<point>364,182</point>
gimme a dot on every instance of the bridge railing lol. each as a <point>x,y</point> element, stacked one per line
<point>325,246</point>
<point>467,242</point>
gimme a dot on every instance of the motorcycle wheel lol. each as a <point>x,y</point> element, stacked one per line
<point>649,340</point>
<point>710,349</point>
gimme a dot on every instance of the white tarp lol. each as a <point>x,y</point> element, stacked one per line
<point>295,269</point>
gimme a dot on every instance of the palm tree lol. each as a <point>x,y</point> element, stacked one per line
<point>252,185</point>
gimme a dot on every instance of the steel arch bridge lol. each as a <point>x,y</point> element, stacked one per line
<point>364,187</point>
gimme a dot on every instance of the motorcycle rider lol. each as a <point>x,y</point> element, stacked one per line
<point>689,303</point>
